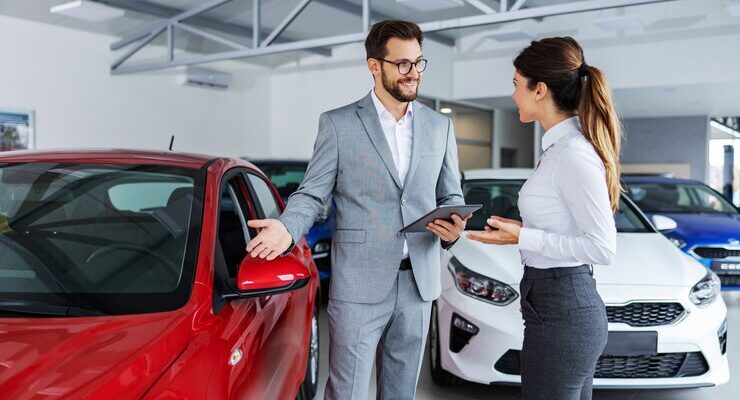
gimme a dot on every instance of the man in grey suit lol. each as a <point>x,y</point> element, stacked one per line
<point>386,160</point>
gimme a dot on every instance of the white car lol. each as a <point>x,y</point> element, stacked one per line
<point>667,325</point>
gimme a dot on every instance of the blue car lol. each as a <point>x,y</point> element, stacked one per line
<point>696,218</point>
<point>287,176</point>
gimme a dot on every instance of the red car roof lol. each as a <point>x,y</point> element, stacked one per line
<point>108,156</point>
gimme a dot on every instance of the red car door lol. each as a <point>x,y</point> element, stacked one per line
<point>246,348</point>
<point>286,315</point>
<point>240,327</point>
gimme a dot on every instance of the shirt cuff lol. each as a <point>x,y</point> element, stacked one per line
<point>447,245</point>
<point>531,239</point>
<point>290,249</point>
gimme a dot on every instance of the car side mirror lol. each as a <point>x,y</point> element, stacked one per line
<point>664,224</point>
<point>259,277</point>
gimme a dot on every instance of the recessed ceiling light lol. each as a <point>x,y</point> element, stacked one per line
<point>620,23</point>
<point>445,110</point>
<point>87,10</point>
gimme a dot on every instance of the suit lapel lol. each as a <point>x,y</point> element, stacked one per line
<point>419,132</point>
<point>369,117</point>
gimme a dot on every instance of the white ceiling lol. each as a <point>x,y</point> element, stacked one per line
<point>681,18</point>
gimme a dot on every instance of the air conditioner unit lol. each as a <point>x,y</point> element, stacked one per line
<point>205,78</point>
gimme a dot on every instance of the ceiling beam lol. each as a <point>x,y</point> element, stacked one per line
<point>160,11</point>
<point>355,9</point>
<point>455,23</point>
<point>531,13</point>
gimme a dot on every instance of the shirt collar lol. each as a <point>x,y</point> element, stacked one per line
<point>565,128</point>
<point>384,113</point>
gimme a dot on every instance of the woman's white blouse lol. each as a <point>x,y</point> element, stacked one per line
<point>564,205</point>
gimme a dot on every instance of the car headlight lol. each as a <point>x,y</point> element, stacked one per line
<point>678,242</point>
<point>706,290</point>
<point>321,247</point>
<point>481,287</point>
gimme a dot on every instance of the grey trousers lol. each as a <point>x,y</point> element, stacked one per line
<point>565,332</point>
<point>392,333</point>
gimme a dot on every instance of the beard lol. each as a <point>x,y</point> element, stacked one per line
<point>397,91</point>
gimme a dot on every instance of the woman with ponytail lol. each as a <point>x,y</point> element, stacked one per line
<point>567,208</point>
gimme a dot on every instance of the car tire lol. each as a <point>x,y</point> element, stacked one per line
<point>310,383</point>
<point>439,375</point>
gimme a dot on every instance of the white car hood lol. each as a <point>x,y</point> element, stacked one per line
<point>643,259</point>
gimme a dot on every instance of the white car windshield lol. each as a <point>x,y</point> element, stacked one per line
<point>499,197</point>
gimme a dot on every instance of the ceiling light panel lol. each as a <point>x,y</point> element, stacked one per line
<point>510,35</point>
<point>620,23</point>
<point>87,10</point>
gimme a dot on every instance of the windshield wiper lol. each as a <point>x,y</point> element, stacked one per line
<point>38,309</point>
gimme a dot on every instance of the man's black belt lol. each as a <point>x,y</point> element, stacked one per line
<point>405,264</point>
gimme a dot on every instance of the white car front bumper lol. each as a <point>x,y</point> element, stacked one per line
<point>501,330</point>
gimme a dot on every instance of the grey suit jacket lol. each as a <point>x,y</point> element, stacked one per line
<point>352,162</point>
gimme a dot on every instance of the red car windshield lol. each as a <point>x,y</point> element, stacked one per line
<point>97,239</point>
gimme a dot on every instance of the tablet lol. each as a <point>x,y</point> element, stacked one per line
<point>442,212</point>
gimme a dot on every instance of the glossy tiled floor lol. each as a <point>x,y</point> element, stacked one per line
<point>429,391</point>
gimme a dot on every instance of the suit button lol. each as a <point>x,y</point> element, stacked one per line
<point>403,202</point>
<point>399,235</point>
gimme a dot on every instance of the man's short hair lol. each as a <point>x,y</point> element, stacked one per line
<point>381,32</point>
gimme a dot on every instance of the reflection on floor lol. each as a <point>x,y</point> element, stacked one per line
<point>429,391</point>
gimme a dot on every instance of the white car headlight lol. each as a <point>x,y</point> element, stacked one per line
<point>481,287</point>
<point>706,290</point>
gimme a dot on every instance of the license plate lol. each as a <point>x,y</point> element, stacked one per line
<point>631,343</point>
<point>726,267</point>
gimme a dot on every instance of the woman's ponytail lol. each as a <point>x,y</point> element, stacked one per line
<point>601,127</point>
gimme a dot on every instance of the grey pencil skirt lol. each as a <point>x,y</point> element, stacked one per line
<point>565,332</point>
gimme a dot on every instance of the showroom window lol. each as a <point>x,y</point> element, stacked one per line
<point>473,132</point>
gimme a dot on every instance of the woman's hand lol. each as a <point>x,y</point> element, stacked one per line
<point>507,232</point>
<point>506,220</point>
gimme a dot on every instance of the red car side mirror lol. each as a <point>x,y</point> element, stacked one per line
<point>258,277</point>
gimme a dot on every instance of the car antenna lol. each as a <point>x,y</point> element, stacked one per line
<point>172,141</point>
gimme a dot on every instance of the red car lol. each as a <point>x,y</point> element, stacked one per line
<point>124,275</point>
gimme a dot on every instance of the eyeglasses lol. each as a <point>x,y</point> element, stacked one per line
<point>404,67</point>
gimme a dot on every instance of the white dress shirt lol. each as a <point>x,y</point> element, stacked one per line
<point>400,137</point>
<point>565,209</point>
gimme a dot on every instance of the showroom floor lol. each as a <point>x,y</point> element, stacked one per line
<point>429,391</point>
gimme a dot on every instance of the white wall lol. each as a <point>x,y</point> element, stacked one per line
<point>62,75</point>
<point>681,140</point>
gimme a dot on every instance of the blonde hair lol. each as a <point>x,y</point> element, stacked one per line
<point>601,127</point>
